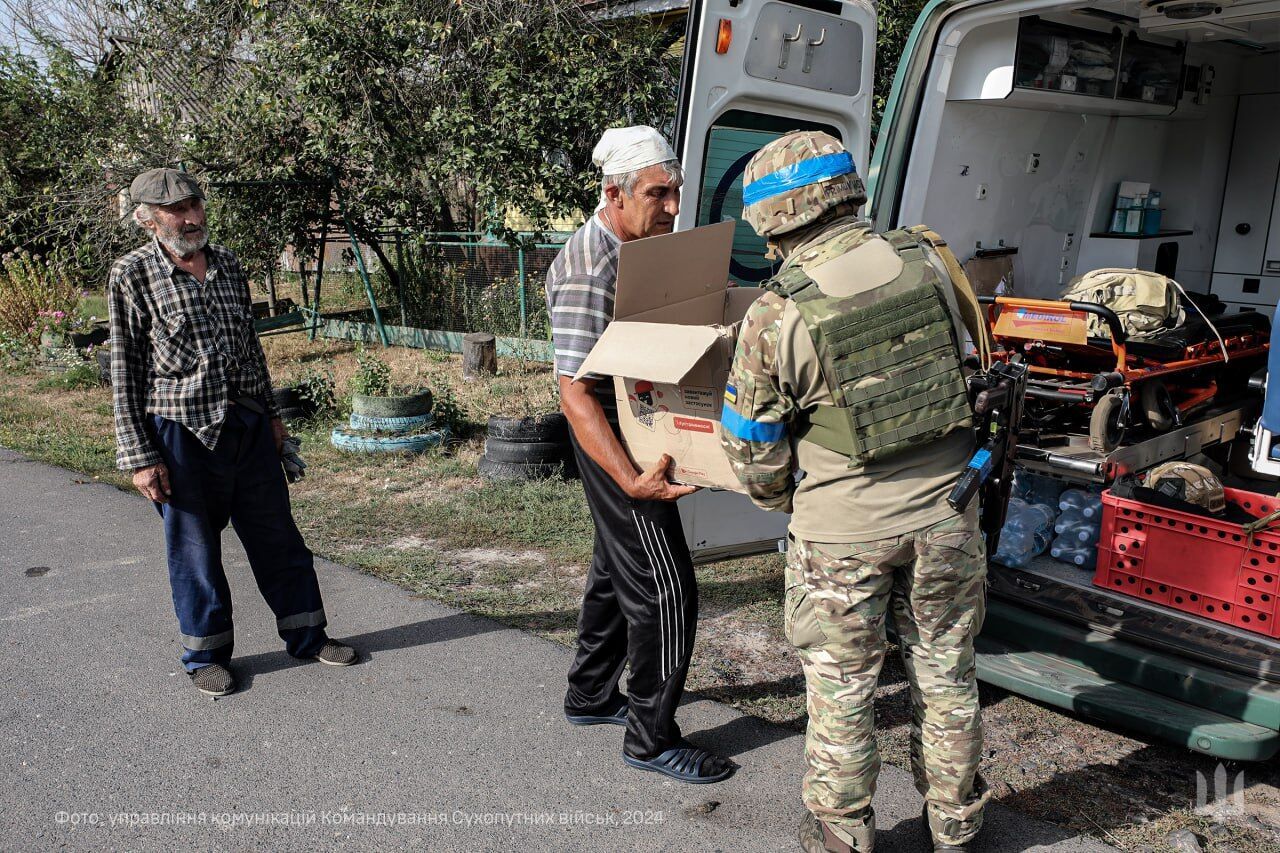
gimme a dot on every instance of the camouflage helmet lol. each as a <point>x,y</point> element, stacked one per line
<point>1189,482</point>
<point>795,179</point>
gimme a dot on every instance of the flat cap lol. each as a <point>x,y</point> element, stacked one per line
<point>163,186</point>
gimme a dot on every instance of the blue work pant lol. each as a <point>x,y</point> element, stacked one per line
<point>240,481</point>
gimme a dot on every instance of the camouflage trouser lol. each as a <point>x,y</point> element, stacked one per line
<point>933,581</point>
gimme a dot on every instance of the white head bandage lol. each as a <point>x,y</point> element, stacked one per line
<point>630,149</point>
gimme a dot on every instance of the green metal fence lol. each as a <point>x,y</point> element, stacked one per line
<point>443,286</point>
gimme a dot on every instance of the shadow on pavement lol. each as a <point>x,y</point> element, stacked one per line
<point>420,633</point>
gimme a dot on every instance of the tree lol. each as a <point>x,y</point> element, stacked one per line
<point>426,114</point>
<point>895,19</point>
<point>67,140</point>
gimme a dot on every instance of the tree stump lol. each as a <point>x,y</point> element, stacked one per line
<point>479,355</point>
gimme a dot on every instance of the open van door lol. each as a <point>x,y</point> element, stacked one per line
<point>753,71</point>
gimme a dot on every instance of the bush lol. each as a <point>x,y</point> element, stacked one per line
<point>75,378</point>
<point>319,391</point>
<point>373,375</point>
<point>15,352</point>
<point>33,289</point>
<point>448,411</point>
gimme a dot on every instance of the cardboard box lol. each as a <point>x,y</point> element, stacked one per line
<point>669,350</point>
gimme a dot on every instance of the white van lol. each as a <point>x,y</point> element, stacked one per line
<point>1067,137</point>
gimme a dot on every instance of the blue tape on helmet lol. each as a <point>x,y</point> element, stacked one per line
<point>798,175</point>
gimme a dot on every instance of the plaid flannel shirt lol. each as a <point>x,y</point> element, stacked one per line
<point>180,349</point>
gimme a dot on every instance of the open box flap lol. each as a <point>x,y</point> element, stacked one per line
<point>658,352</point>
<point>678,278</point>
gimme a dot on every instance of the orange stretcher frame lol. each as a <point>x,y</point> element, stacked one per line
<point>1198,355</point>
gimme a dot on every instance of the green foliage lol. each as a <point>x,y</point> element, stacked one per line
<point>70,141</point>
<point>75,378</point>
<point>373,375</point>
<point>448,411</point>
<point>895,20</point>
<point>16,352</point>
<point>435,114</point>
<point>35,294</point>
<point>318,390</point>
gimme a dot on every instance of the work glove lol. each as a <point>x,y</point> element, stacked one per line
<point>294,467</point>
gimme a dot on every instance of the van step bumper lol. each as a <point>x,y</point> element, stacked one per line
<point>1100,677</point>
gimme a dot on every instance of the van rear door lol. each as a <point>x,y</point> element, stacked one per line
<point>753,71</point>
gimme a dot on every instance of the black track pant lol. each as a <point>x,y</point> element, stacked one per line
<point>640,608</point>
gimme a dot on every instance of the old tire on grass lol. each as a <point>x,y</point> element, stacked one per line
<point>525,452</point>
<point>552,428</point>
<point>409,424</point>
<point>289,399</point>
<point>392,407</point>
<point>493,470</point>
<point>361,442</point>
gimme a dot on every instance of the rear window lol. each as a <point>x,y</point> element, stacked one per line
<point>731,142</point>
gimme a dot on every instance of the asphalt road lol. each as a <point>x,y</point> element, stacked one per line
<point>448,737</point>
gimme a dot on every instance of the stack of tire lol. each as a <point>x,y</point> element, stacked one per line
<point>533,448</point>
<point>293,406</point>
<point>389,425</point>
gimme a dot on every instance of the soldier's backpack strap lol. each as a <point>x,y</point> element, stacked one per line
<point>975,319</point>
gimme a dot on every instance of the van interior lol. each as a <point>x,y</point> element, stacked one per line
<point>1052,110</point>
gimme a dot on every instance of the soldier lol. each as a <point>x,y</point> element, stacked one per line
<point>849,369</point>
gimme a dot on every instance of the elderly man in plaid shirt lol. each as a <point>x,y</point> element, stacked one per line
<point>197,425</point>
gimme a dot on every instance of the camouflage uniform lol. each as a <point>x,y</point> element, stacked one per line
<point>930,575</point>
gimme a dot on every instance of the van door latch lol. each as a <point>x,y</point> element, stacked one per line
<point>809,50</point>
<point>785,55</point>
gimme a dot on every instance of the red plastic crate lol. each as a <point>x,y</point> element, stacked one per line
<point>1194,564</point>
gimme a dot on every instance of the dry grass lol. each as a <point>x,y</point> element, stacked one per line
<point>518,553</point>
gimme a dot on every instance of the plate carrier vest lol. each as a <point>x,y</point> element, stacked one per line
<point>889,353</point>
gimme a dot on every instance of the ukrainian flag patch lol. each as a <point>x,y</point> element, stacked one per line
<point>730,394</point>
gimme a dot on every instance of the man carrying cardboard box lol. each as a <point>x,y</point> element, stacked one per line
<point>850,370</point>
<point>641,601</point>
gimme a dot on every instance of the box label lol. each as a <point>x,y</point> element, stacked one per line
<point>698,399</point>
<point>1060,325</point>
<point>693,424</point>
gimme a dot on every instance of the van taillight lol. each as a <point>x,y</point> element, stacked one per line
<point>724,36</point>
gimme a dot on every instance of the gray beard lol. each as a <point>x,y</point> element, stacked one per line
<point>183,247</point>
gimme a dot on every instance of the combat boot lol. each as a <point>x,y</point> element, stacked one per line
<point>942,846</point>
<point>817,837</point>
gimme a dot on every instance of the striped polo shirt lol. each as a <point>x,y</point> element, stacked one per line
<point>580,286</point>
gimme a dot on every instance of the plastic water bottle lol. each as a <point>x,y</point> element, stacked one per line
<point>1041,516</point>
<point>1016,548</point>
<point>1026,533</point>
<point>1087,534</point>
<point>1068,520</point>
<point>1037,518</point>
<point>1093,509</point>
<point>1074,499</point>
<point>1041,489</point>
<point>1085,557</point>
